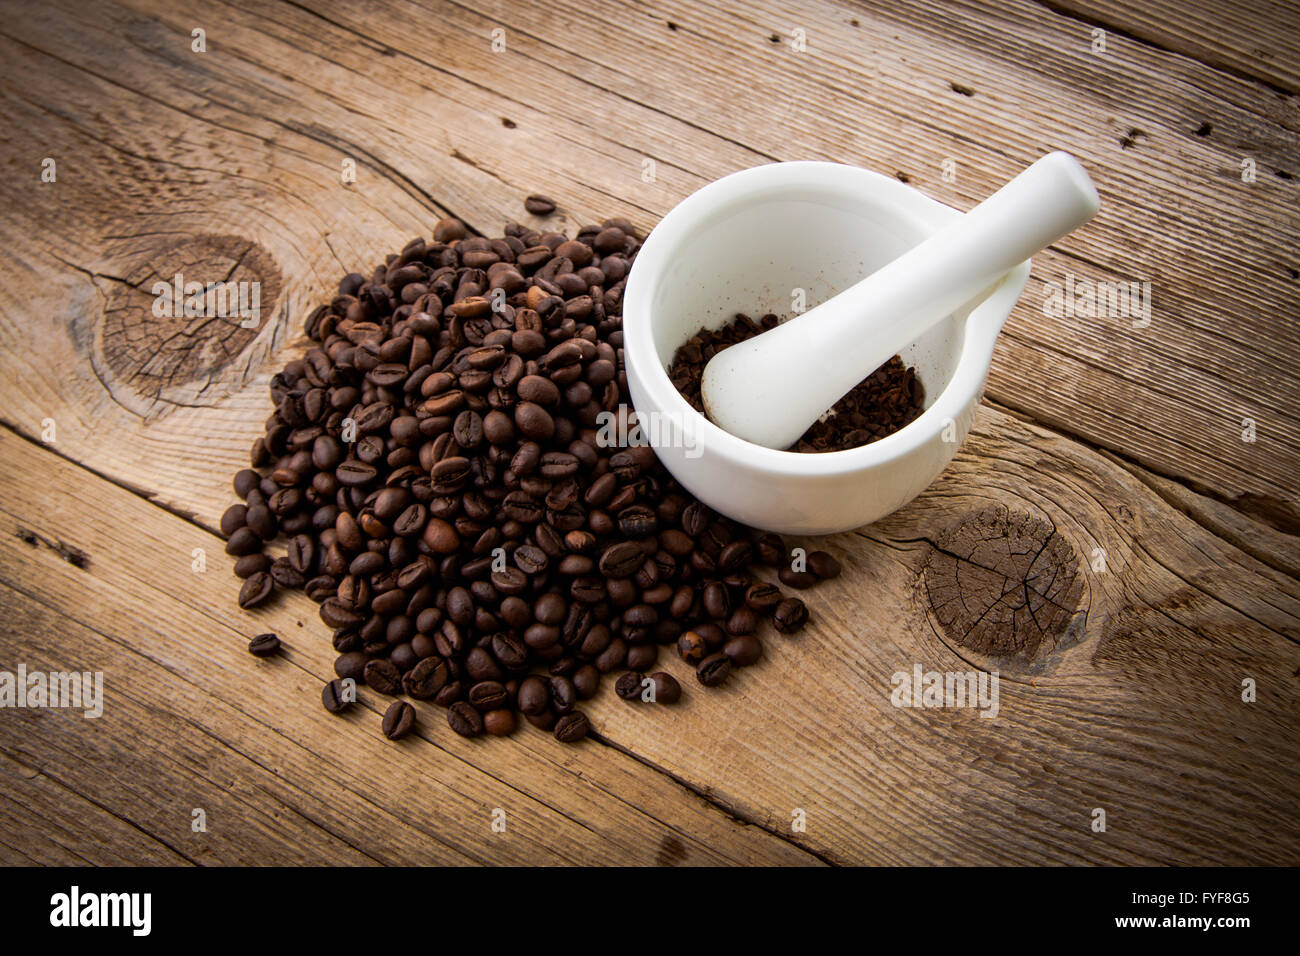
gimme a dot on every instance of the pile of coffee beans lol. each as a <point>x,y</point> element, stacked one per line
<point>434,461</point>
<point>879,405</point>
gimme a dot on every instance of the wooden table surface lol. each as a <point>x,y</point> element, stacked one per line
<point>1139,478</point>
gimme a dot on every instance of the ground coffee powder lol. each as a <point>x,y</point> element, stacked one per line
<point>881,404</point>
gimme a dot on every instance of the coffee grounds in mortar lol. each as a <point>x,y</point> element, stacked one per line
<point>879,405</point>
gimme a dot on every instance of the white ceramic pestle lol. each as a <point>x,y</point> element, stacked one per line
<point>769,389</point>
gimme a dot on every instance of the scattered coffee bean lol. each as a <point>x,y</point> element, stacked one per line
<point>383,676</point>
<point>692,647</point>
<point>797,579</point>
<point>399,720</point>
<point>464,719</point>
<point>499,723</point>
<point>572,727</point>
<point>790,615</point>
<point>713,670</point>
<point>426,678</point>
<point>264,645</point>
<point>256,591</point>
<point>628,686</point>
<point>233,519</point>
<point>250,564</point>
<point>743,650</point>
<point>539,205</point>
<point>822,564</point>
<point>332,696</point>
<point>667,689</point>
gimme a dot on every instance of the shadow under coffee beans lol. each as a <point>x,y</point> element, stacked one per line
<point>879,405</point>
<point>434,459</point>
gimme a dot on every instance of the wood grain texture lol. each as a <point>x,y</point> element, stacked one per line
<point>192,719</point>
<point>228,162</point>
<point>414,94</point>
<point>1257,39</point>
<point>1136,706</point>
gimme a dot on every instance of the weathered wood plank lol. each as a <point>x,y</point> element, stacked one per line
<point>248,150</point>
<point>1133,708</point>
<point>1114,715</point>
<point>192,719</point>
<point>43,821</point>
<point>1253,38</point>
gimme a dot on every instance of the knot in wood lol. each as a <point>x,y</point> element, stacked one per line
<point>173,325</point>
<point>1003,583</point>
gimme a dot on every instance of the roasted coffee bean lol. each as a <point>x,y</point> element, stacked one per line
<point>351,664</point>
<point>256,591</point>
<point>796,579</point>
<point>488,695</point>
<point>713,670</point>
<point>399,720</point>
<point>283,574</point>
<point>233,519</point>
<point>246,481</point>
<point>667,689</point>
<point>628,686</point>
<point>572,727</point>
<point>451,473</point>
<point>539,389</point>
<point>481,665</point>
<point>621,560</point>
<point>450,693</point>
<point>637,521</point>
<point>510,581</point>
<point>264,645</point>
<point>743,650</point>
<point>250,564</point>
<point>642,657</point>
<point>790,615</point>
<point>533,421</point>
<point>260,520</point>
<point>695,518</point>
<point>716,600</point>
<point>586,681</point>
<point>558,464</point>
<point>743,620</point>
<point>735,556</point>
<point>763,597</point>
<point>302,553</point>
<point>534,696</point>
<point>540,206</point>
<point>563,694</point>
<point>822,564</point>
<point>510,651</point>
<point>243,541</point>
<point>440,536</point>
<point>353,474</point>
<point>600,491</point>
<point>426,678</point>
<point>692,647</point>
<point>335,697</point>
<point>499,723</point>
<point>464,719</point>
<point>383,676</point>
<point>612,657</point>
<point>771,549</point>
